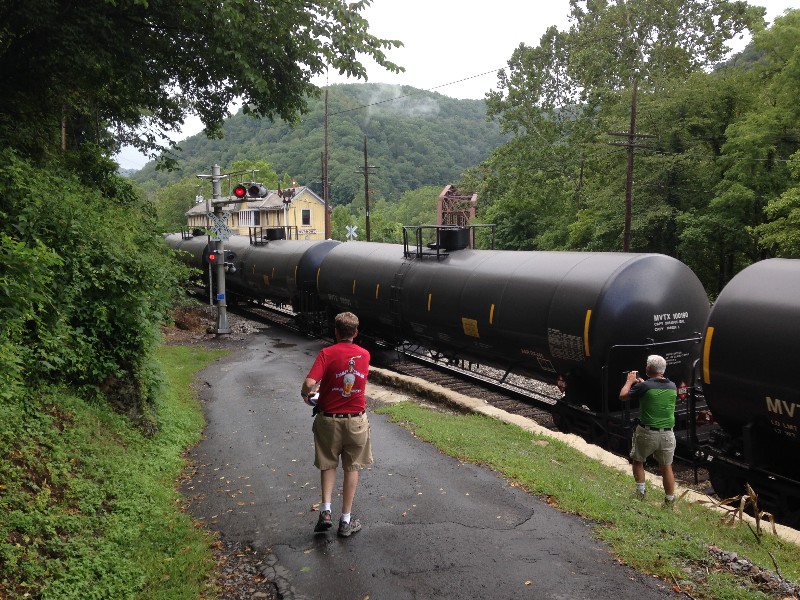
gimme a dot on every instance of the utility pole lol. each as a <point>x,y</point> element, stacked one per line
<point>630,145</point>
<point>325,175</point>
<point>366,171</point>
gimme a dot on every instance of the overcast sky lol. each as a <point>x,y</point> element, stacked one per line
<point>453,49</point>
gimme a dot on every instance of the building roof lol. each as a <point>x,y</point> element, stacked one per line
<point>272,201</point>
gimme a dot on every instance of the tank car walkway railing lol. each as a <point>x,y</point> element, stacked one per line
<point>437,241</point>
<point>261,236</point>
<point>188,233</point>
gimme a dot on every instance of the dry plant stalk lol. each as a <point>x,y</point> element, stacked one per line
<point>736,505</point>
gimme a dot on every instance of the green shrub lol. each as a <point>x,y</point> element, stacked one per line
<point>87,282</point>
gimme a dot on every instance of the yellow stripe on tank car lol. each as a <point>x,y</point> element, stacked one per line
<point>319,270</point>
<point>491,315</point>
<point>430,298</point>
<point>586,332</point>
<point>295,274</point>
<point>706,352</point>
<point>354,287</point>
<point>377,290</point>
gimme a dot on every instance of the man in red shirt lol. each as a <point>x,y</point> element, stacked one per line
<point>341,429</point>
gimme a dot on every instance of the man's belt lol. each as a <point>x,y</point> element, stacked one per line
<point>343,415</point>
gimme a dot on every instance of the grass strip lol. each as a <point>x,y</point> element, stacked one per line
<point>669,544</point>
<point>88,505</point>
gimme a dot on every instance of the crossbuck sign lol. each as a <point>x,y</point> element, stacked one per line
<point>351,231</point>
<point>219,226</point>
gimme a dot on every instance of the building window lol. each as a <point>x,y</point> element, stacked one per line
<point>249,218</point>
<point>306,216</point>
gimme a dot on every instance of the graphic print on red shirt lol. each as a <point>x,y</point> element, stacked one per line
<point>342,371</point>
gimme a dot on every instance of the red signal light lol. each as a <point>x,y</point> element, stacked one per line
<point>240,191</point>
<point>213,256</point>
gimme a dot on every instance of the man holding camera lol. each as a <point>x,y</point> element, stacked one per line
<point>654,435</point>
<point>341,428</point>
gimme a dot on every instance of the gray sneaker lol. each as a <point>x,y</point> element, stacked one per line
<point>639,495</point>
<point>324,522</point>
<point>346,529</point>
<point>669,504</point>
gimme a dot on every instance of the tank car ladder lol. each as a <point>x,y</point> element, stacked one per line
<point>395,294</point>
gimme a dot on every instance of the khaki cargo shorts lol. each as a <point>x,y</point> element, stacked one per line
<point>348,437</point>
<point>661,444</point>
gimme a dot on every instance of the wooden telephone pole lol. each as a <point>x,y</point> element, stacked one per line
<point>366,171</point>
<point>630,144</point>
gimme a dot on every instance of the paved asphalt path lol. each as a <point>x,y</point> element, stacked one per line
<point>433,527</point>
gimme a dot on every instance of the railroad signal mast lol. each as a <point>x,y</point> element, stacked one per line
<point>218,258</point>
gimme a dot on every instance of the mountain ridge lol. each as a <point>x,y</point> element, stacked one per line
<point>414,138</point>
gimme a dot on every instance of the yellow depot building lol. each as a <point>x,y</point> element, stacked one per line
<point>299,212</point>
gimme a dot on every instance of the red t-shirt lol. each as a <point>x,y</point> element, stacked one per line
<point>342,371</point>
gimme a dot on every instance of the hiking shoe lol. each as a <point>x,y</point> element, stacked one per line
<point>639,495</point>
<point>346,529</point>
<point>669,504</point>
<point>324,522</point>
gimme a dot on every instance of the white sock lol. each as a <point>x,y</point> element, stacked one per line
<point>670,498</point>
<point>640,487</point>
<point>325,506</point>
<point>346,517</point>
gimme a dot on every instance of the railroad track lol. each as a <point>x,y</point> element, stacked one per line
<point>512,399</point>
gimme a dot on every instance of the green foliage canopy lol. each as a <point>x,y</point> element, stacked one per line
<point>141,66</point>
<point>713,183</point>
<point>86,286</point>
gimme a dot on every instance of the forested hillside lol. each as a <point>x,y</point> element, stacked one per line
<point>414,138</point>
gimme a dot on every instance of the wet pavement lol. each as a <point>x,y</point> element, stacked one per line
<point>433,527</point>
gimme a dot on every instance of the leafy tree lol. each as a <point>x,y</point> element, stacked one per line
<point>532,207</point>
<point>564,94</point>
<point>761,148</point>
<point>387,218</point>
<point>780,233</point>
<point>417,207</point>
<point>173,201</point>
<point>613,43</point>
<point>141,66</point>
<point>341,217</point>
